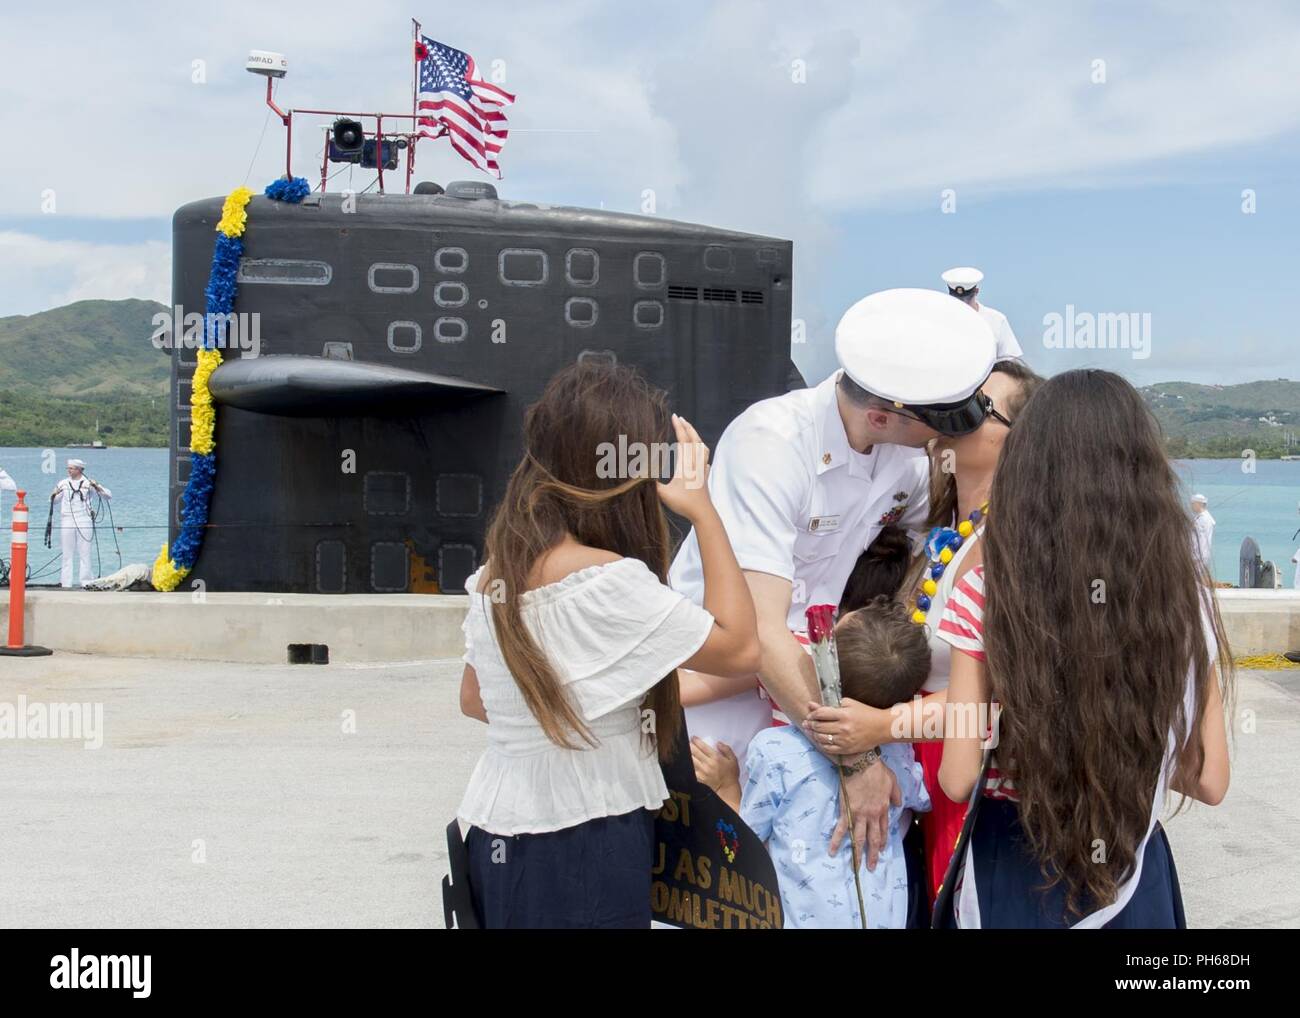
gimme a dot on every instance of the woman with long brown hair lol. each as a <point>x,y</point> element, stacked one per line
<point>1093,631</point>
<point>572,645</point>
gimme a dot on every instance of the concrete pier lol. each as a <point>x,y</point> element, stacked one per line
<point>1261,621</point>
<point>238,795</point>
<point>249,627</point>
<point>373,628</point>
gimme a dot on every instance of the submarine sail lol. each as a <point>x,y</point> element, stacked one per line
<point>365,440</point>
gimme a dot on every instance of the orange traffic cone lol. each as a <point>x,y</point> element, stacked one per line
<point>18,587</point>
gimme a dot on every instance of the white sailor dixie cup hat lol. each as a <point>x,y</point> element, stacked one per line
<point>962,280</point>
<point>923,351</point>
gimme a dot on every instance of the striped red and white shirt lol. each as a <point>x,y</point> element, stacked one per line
<point>962,627</point>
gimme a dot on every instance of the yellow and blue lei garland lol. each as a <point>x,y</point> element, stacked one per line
<point>170,568</point>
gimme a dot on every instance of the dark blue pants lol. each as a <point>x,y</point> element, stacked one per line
<point>918,900</point>
<point>595,875</point>
<point>1009,880</point>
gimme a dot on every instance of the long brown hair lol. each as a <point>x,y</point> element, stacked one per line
<point>1092,624</point>
<point>561,487</point>
<point>943,483</point>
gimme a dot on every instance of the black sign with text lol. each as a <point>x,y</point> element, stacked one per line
<point>710,871</point>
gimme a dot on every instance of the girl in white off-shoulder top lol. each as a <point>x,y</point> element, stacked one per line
<point>572,642</point>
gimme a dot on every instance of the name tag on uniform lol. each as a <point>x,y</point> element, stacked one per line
<point>823,524</point>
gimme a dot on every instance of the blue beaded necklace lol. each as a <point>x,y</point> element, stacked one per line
<point>940,546</point>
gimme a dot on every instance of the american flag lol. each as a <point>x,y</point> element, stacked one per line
<point>454,102</point>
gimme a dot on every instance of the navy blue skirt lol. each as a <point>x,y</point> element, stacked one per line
<point>595,875</point>
<point>1009,880</point>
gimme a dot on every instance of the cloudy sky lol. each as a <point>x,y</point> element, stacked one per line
<point>1102,157</point>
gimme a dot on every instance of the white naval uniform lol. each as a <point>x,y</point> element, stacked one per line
<point>1204,524</point>
<point>77,526</point>
<point>797,502</point>
<point>1008,345</point>
<point>6,484</point>
<point>1296,559</point>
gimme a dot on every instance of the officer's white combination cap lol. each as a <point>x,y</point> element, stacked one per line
<point>1200,498</point>
<point>963,279</point>
<point>77,463</point>
<point>913,346</point>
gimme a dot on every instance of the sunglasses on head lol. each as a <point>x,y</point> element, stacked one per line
<point>954,419</point>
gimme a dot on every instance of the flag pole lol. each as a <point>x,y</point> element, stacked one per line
<point>415,84</point>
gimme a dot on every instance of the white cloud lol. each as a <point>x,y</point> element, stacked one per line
<point>698,101</point>
<point>147,138</point>
<point>998,103</point>
<point>40,274</point>
<point>900,98</point>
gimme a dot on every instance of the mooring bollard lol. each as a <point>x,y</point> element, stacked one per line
<point>18,586</point>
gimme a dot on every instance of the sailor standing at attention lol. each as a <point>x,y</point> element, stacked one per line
<point>804,482</point>
<point>76,519</point>
<point>964,284</point>
<point>1204,524</point>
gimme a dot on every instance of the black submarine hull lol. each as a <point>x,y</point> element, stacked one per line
<point>400,338</point>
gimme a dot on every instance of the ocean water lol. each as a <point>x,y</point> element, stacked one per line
<point>1262,505</point>
<point>137,528</point>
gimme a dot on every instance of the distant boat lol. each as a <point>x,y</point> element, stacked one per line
<point>1291,457</point>
<point>97,444</point>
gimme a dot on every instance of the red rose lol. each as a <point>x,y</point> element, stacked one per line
<point>821,621</point>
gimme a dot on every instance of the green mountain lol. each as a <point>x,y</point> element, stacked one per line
<point>1222,420</point>
<point>92,346</point>
<point>63,370</point>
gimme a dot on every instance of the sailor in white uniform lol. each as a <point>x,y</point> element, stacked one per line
<point>77,519</point>
<point>964,284</point>
<point>1204,524</point>
<point>7,483</point>
<point>1296,559</point>
<point>804,482</point>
